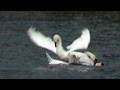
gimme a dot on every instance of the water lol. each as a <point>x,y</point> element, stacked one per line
<point>21,59</point>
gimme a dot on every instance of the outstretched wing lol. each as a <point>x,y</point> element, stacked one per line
<point>80,43</point>
<point>41,40</point>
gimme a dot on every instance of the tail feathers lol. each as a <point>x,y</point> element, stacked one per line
<point>49,58</point>
<point>54,61</point>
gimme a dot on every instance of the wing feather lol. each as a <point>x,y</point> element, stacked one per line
<point>41,40</point>
<point>80,43</point>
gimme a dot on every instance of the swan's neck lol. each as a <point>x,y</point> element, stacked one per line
<point>61,51</point>
<point>60,46</point>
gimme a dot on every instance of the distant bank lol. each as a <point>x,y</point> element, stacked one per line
<point>38,15</point>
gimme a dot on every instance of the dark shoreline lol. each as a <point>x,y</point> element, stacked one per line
<point>37,15</point>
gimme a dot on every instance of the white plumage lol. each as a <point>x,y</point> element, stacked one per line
<point>80,43</point>
<point>46,42</point>
<point>41,40</point>
<point>54,61</point>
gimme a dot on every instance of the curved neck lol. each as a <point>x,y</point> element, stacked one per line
<point>59,45</point>
<point>61,52</point>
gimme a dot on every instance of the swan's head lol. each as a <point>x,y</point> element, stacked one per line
<point>93,58</point>
<point>56,39</point>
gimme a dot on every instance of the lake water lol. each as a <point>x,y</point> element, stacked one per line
<point>21,59</point>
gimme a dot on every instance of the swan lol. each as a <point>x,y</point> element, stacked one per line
<point>84,61</point>
<point>55,45</point>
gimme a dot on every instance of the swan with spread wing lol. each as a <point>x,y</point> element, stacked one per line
<point>70,55</point>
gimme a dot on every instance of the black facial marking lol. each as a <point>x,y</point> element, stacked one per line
<point>95,61</point>
<point>55,44</point>
<point>88,56</point>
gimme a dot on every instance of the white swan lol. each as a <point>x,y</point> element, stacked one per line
<point>83,61</point>
<point>55,45</point>
<point>86,58</point>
